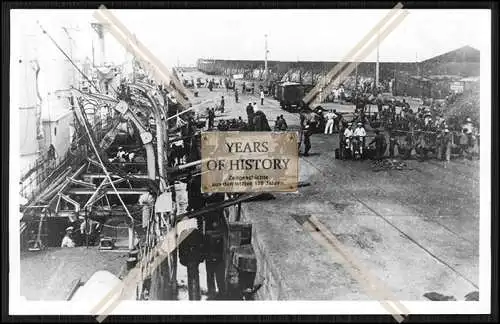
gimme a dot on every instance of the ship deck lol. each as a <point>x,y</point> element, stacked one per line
<point>52,273</point>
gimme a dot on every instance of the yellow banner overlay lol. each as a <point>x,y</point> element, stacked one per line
<point>249,161</point>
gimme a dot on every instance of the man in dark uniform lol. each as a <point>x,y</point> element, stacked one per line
<point>260,122</point>
<point>307,137</point>
<point>380,144</point>
<point>211,118</point>
<point>283,125</point>
<point>195,198</point>
<point>393,142</point>
<point>222,104</point>
<point>250,115</point>
<point>187,132</point>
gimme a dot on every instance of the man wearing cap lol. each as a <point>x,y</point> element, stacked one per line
<point>67,240</point>
<point>427,121</point>
<point>348,134</point>
<point>468,125</point>
<point>307,132</point>
<point>444,149</point>
<point>463,143</point>
<point>146,200</point>
<point>439,122</point>
<point>361,133</point>
<point>120,155</point>
<point>469,128</point>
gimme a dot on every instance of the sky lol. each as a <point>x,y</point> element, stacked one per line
<point>182,36</point>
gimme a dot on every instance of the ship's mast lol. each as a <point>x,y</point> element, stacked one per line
<point>98,28</point>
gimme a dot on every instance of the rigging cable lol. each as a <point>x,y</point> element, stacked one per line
<point>107,173</point>
<point>66,55</point>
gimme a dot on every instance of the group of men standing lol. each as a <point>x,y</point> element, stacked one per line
<point>358,133</point>
<point>257,120</point>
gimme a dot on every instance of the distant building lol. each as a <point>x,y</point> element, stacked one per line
<point>439,76</point>
<point>432,77</point>
<point>463,61</point>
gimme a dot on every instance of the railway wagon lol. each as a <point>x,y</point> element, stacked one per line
<point>290,95</point>
<point>207,66</point>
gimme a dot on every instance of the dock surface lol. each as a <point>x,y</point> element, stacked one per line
<point>416,230</point>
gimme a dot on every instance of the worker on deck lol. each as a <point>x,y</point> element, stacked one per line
<point>89,228</point>
<point>120,155</point>
<point>361,133</point>
<point>51,154</point>
<point>67,240</point>
<point>146,200</point>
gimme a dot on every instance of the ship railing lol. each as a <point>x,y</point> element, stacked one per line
<point>45,170</point>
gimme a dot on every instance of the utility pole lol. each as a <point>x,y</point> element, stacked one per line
<point>356,83</point>
<point>265,62</point>
<point>377,67</point>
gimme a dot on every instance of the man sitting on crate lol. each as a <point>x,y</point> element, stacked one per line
<point>348,134</point>
<point>360,133</point>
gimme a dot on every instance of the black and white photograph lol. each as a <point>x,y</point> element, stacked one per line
<point>391,210</point>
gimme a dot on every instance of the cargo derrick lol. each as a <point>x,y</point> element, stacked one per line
<point>88,193</point>
<point>99,190</point>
